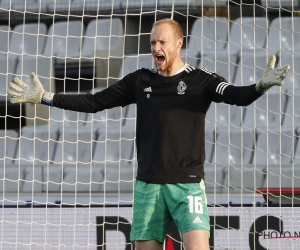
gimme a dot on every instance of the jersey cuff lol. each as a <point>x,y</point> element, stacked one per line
<point>47,99</point>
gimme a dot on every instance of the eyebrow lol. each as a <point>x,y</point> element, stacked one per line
<point>158,40</point>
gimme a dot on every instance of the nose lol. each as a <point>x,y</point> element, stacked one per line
<point>156,47</point>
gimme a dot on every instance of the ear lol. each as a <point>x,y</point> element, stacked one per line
<point>179,42</point>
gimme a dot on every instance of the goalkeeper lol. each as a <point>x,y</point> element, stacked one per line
<point>172,100</point>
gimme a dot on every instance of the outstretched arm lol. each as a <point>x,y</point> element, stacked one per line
<point>245,95</point>
<point>119,94</point>
<point>115,95</point>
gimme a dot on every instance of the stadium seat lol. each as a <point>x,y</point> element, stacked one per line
<point>123,67</point>
<point>291,118</point>
<point>11,174</point>
<point>222,64</point>
<point>250,68</point>
<point>33,178</point>
<point>59,120</point>
<point>35,146</point>
<point>246,35</point>
<point>7,64</point>
<point>284,35</point>
<point>82,178</point>
<point>207,34</point>
<point>5,4</point>
<point>7,68</point>
<point>133,4</point>
<point>274,148</point>
<point>279,3</point>
<point>245,178</point>
<point>126,130</point>
<point>119,177</point>
<point>284,176</point>
<point>130,117</point>
<point>27,40</point>
<point>102,38</point>
<point>214,177</point>
<point>8,144</point>
<point>131,63</point>
<point>296,159</point>
<point>103,47</point>
<point>209,3</point>
<point>67,6</point>
<point>63,119</point>
<point>234,147</point>
<point>209,144</point>
<point>98,6</point>
<point>223,115</point>
<point>63,40</point>
<point>176,3</point>
<point>292,79</point>
<point>28,5</point>
<point>266,112</point>
<point>113,145</point>
<point>52,177</point>
<point>127,64</point>
<point>210,118</point>
<point>5,39</point>
<point>74,145</point>
<point>106,119</point>
<point>10,178</point>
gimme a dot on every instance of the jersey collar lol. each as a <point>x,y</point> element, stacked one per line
<point>180,70</point>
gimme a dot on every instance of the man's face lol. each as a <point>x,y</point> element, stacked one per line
<point>164,44</point>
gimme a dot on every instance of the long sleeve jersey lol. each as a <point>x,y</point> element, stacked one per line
<point>170,123</point>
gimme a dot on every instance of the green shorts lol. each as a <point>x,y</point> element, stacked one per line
<point>156,205</point>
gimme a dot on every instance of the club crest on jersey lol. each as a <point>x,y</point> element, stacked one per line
<point>181,88</point>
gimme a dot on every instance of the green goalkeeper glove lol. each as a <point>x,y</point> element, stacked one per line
<point>272,76</point>
<point>22,92</point>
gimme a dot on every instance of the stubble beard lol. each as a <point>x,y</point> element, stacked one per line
<point>167,64</point>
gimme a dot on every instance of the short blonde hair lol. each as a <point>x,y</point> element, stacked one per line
<point>175,25</point>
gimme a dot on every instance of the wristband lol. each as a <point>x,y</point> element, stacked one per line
<point>47,98</point>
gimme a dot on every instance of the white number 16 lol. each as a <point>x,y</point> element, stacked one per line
<point>195,204</point>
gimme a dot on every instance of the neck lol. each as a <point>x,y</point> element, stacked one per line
<point>173,70</point>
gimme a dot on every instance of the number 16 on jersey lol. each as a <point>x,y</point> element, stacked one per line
<point>195,204</point>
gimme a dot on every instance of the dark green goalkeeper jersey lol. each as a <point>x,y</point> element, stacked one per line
<point>170,117</point>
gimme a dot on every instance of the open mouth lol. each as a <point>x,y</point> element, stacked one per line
<point>159,59</point>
